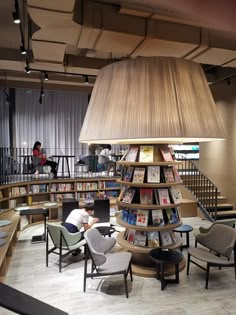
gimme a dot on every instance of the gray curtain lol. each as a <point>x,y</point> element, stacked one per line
<point>56,122</point>
<point>4,120</point>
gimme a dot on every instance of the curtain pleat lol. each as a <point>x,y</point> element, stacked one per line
<point>4,120</point>
<point>56,122</point>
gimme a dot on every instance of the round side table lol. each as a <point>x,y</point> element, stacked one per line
<point>105,230</point>
<point>184,228</point>
<point>163,257</point>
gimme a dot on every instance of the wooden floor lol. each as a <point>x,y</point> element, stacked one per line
<point>65,291</point>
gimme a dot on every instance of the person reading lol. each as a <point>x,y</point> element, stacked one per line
<point>40,159</point>
<point>79,218</point>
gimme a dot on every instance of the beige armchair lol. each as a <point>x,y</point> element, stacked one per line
<point>219,243</point>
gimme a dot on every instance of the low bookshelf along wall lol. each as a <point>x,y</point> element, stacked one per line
<point>149,201</point>
<point>37,193</point>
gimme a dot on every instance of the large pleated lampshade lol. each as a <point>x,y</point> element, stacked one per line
<point>151,100</point>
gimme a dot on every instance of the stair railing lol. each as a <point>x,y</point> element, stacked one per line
<point>202,188</point>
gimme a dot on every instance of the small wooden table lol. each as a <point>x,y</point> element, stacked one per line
<point>163,257</point>
<point>63,158</point>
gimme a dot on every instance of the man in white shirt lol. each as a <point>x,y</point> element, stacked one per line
<point>79,218</point>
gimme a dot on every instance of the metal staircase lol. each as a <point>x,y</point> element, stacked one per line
<point>212,204</point>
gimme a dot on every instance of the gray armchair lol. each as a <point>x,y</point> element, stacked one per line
<point>220,240</point>
<point>104,264</point>
<point>63,241</point>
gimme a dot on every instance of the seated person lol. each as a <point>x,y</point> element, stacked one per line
<point>40,159</point>
<point>104,159</point>
<point>79,218</point>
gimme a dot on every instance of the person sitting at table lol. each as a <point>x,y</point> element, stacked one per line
<point>79,218</point>
<point>40,159</point>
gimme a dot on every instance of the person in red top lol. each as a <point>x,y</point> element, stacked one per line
<point>40,158</point>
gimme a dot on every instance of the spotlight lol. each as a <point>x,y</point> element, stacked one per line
<point>23,50</point>
<point>16,17</point>
<point>45,76</point>
<point>27,68</point>
<point>86,80</point>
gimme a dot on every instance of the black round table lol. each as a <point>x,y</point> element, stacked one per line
<point>163,257</point>
<point>184,228</point>
<point>105,230</point>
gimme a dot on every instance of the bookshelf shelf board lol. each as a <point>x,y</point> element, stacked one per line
<point>161,163</point>
<point>148,207</point>
<point>63,191</point>
<point>3,199</point>
<point>109,189</point>
<point>19,196</point>
<point>149,185</point>
<point>166,227</point>
<point>39,193</point>
<point>144,249</point>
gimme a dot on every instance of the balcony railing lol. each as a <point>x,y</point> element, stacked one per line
<point>16,163</point>
<point>202,188</point>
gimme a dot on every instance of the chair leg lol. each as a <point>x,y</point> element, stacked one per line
<point>47,249</point>
<point>130,272</point>
<point>60,253</point>
<point>85,266</point>
<point>207,275</point>
<point>188,264</point>
<point>126,285</point>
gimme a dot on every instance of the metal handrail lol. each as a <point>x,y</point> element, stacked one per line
<point>201,187</point>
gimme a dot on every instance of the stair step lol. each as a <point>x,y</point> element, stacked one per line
<point>226,214</point>
<point>220,200</point>
<point>223,206</point>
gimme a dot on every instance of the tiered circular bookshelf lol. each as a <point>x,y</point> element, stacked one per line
<point>148,183</point>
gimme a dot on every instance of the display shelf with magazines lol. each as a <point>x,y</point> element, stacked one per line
<point>149,205</point>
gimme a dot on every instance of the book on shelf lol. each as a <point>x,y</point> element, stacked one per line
<point>130,236</point>
<point>146,196</point>
<point>166,238</point>
<point>122,192</point>
<point>132,154</point>
<point>1,195</point>
<point>168,216</point>
<point>140,238</point>
<point>168,174</point>
<point>128,174</point>
<point>153,174</point>
<point>139,173</point>
<point>129,195</point>
<point>153,239</point>
<point>175,194</point>
<point>166,153</point>
<point>156,196</point>
<point>163,195</point>
<point>132,216</point>
<point>146,153</point>
<point>124,155</point>
<point>176,175</point>
<point>125,215</point>
<point>175,215</point>
<point>157,217</point>
<point>142,217</point>
<point>23,190</point>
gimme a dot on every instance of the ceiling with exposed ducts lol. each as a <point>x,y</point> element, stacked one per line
<point>72,39</point>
